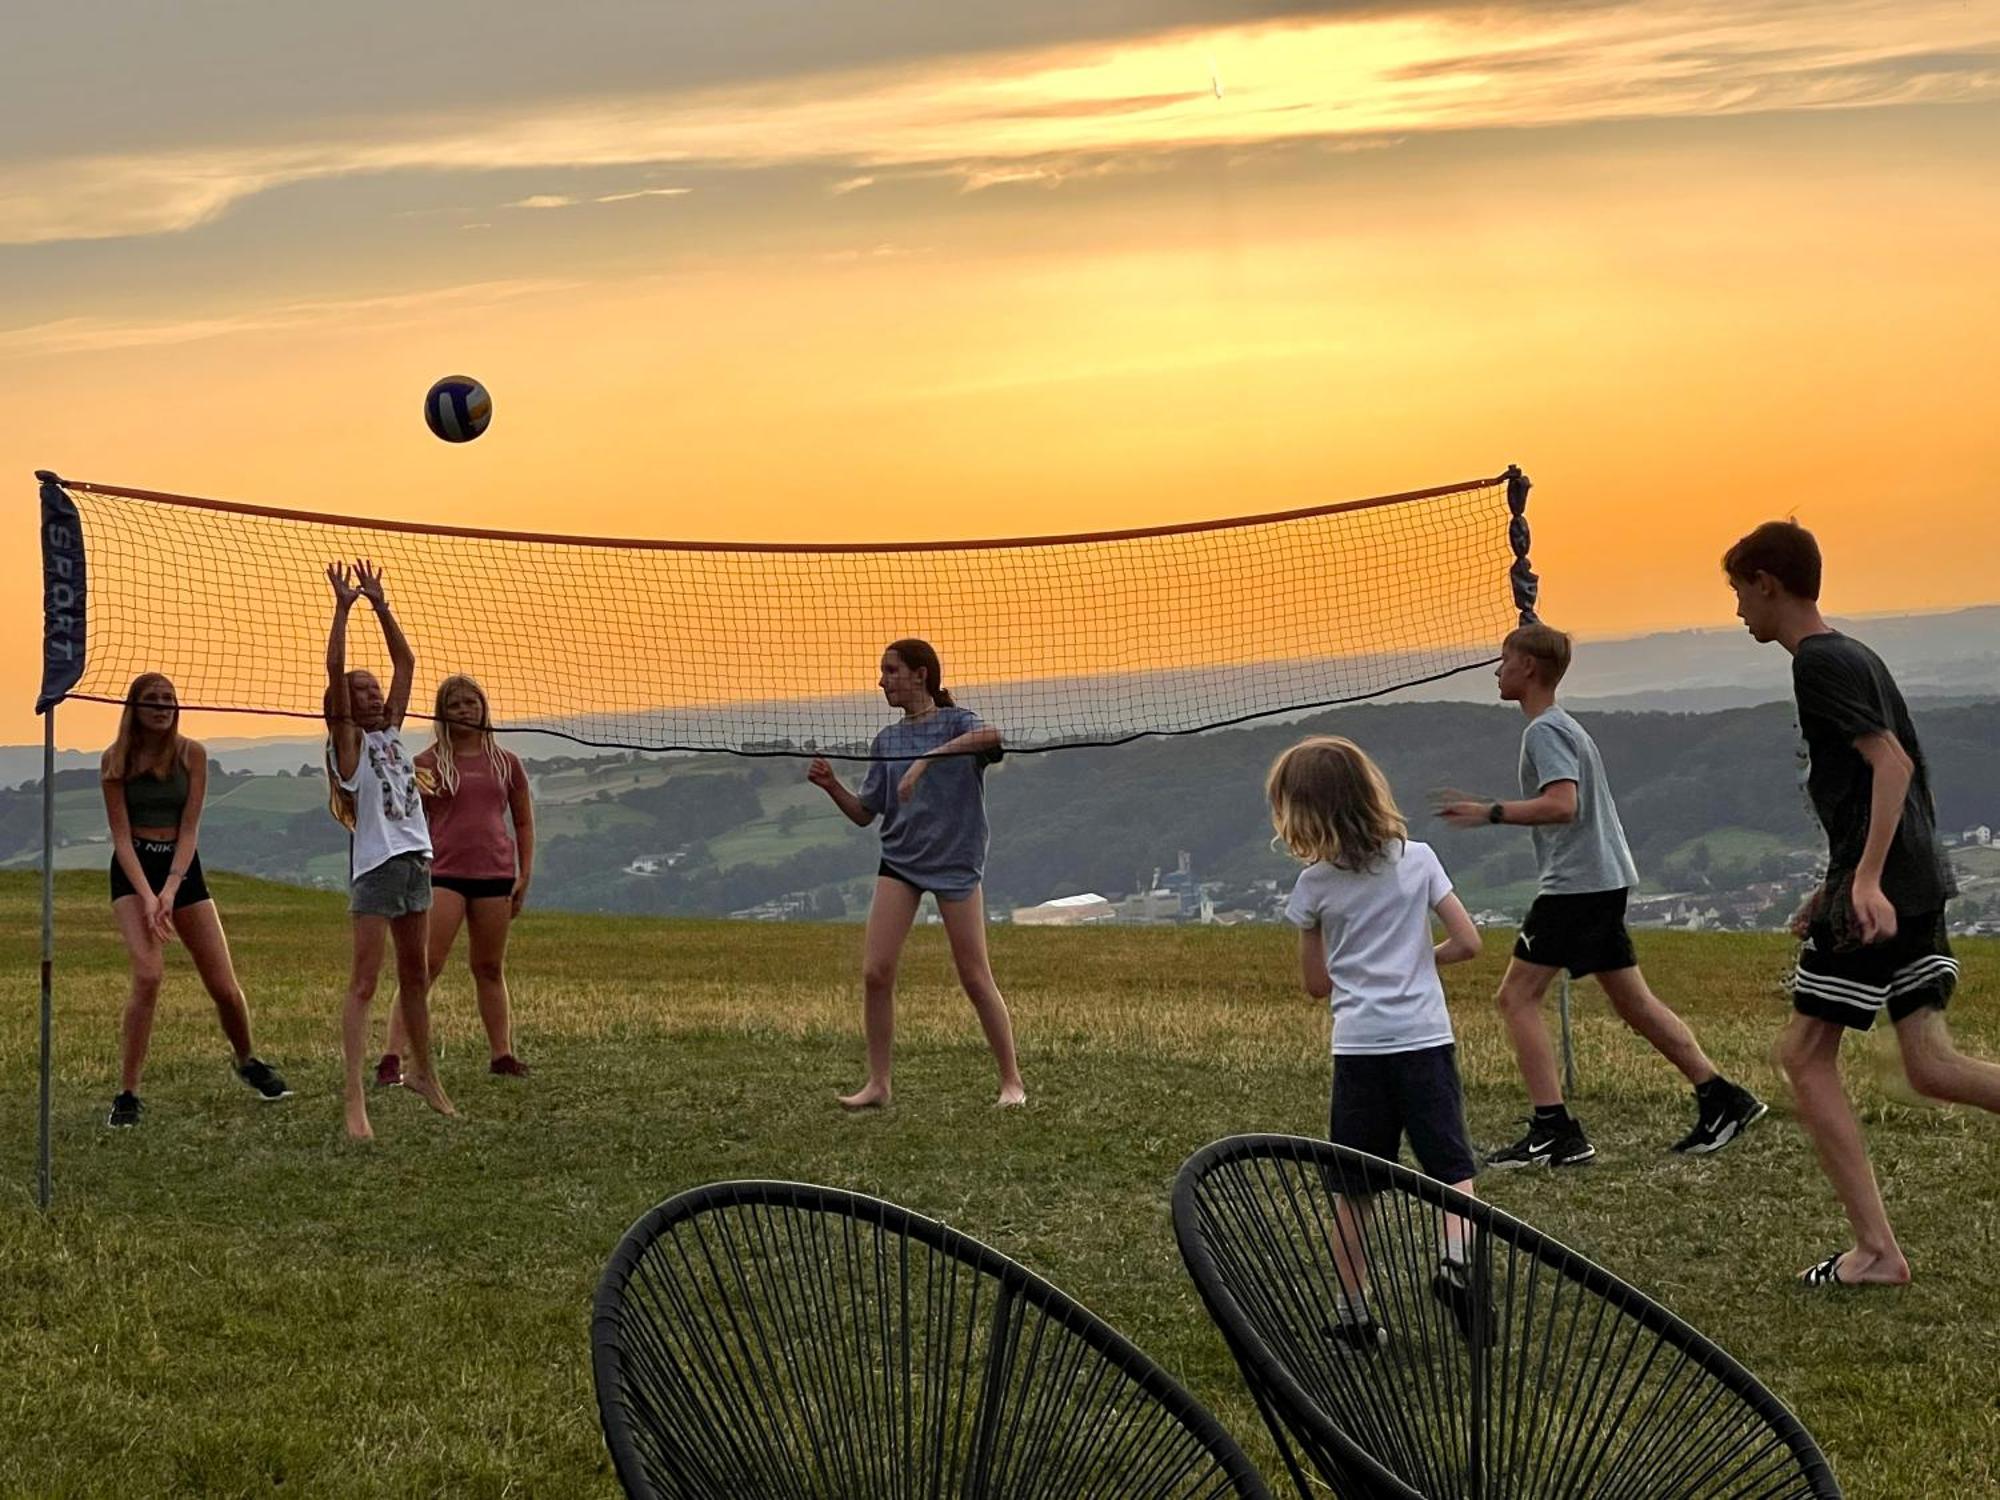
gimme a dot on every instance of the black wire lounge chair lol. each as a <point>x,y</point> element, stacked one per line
<point>775,1339</point>
<point>1519,1369</point>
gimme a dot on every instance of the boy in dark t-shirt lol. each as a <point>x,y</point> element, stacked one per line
<point>1874,931</point>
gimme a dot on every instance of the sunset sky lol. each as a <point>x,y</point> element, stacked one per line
<point>852,269</point>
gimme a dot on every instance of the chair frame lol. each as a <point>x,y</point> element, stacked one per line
<point>1284,1402</point>
<point>1016,1286</point>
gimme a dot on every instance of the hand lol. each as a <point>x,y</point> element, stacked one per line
<point>344,591</point>
<point>368,581</point>
<point>1873,913</point>
<point>1460,809</point>
<point>156,915</point>
<point>907,787</point>
<point>820,774</point>
<point>1802,919</point>
<point>520,896</point>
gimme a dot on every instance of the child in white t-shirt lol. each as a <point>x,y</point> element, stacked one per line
<point>1363,908</point>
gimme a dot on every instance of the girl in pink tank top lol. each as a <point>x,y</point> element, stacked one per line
<point>481,867</point>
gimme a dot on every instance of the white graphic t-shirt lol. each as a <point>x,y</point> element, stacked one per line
<point>388,811</point>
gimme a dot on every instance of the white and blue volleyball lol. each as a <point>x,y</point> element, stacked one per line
<point>458,408</point>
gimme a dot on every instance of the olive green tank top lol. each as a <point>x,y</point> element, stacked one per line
<point>156,801</point>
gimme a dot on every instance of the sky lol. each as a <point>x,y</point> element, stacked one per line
<point>849,269</point>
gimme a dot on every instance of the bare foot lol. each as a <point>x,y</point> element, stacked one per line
<point>431,1092</point>
<point>871,1096</point>
<point>1012,1096</point>
<point>1858,1268</point>
<point>358,1128</point>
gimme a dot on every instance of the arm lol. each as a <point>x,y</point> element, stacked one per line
<point>1892,768</point>
<point>820,774</point>
<point>1312,964</point>
<point>402,660</point>
<point>521,805</point>
<point>339,709</point>
<point>1556,804</point>
<point>121,840</point>
<point>980,741</point>
<point>1462,940</point>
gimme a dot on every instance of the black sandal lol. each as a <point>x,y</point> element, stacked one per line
<point>1827,1272</point>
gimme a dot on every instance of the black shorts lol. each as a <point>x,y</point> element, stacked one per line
<point>1852,986</point>
<point>474,887</point>
<point>1582,933</point>
<point>1379,1097</point>
<point>156,860</point>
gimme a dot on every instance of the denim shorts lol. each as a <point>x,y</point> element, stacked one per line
<point>399,887</point>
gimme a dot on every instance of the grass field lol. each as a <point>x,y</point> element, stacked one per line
<point>231,1300</point>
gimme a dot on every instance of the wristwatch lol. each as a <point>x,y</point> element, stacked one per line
<point>1496,813</point>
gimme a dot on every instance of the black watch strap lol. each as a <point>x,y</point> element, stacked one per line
<point>1496,813</point>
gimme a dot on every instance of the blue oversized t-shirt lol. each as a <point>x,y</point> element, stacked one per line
<point>938,842</point>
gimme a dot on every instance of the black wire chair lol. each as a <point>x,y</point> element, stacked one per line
<point>775,1339</point>
<point>1519,1370</point>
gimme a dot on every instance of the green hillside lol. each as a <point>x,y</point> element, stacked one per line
<point>231,1301</point>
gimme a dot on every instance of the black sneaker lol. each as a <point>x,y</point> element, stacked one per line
<point>125,1112</point>
<point>1733,1111</point>
<point>265,1079</point>
<point>1557,1145</point>
<point>1362,1333</point>
<point>1473,1314</point>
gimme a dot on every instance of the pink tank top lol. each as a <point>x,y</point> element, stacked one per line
<point>470,836</point>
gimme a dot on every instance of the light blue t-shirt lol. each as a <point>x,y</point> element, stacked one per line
<point>1590,854</point>
<point>938,842</point>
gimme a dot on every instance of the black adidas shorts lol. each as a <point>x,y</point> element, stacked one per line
<point>1851,987</point>
<point>1582,933</point>
<point>1379,1097</point>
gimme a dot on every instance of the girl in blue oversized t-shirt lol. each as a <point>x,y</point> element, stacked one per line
<point>927,785</point>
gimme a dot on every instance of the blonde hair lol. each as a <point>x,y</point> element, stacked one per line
<point>122,759</point>
<point>339,801</point>
<point>447,767</point>
<point>1330,801</point>
<point>1544,645</point>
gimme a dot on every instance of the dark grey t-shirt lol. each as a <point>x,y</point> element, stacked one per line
<point>1590,854</point>
<point>938,842</point>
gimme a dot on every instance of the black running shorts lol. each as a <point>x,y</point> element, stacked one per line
<point>1851,987</point>
<point>1584,934</point>
<point>1379,1097</point>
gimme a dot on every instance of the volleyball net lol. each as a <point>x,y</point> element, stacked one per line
<point>772,648</point>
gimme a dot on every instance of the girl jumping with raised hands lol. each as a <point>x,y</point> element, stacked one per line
<point>374,792</point>
<point>155,780</point>
<point>927,785</point>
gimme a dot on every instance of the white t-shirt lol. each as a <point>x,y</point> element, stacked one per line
<point>1376,925</point>
<point>388,811</point>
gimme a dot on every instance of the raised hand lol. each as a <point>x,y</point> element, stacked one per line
<point>344,591</point>
<point>368,579</point>
<point>820,774</point>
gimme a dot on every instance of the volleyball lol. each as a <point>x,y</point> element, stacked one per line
<point>458,408</point>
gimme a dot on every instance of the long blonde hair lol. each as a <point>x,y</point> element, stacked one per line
<point>1330,801</point>
<point>122,759</point>
<point>339,801</point>
<point>447,764</point>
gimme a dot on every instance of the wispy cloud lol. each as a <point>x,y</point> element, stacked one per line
<point>543,200</point>
<point>674,192</point>
<point>1028,115</point>
<point>102,335</point>
<point>850,185</point>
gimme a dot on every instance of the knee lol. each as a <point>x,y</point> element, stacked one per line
<point>361,989</point>
<point>487,971</point>
<point>1513,999</point>
<point>977,981</point>
<point>1796,1057</point>
<point>878,974</point>
<point>146,985</point>
<point>1928,1073</point>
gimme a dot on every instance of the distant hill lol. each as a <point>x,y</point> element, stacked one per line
<point>1709,800</point>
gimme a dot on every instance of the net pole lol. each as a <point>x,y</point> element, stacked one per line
<point>44,1149</point>
<point>1568,1043</point>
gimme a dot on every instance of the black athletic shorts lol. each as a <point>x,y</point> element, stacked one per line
<point>1852,986</point>
<point>1582,933</point>
<point>156,860</point>
<point>889,872</point>
<point>474,887</point>
<point>1379,1097</point>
